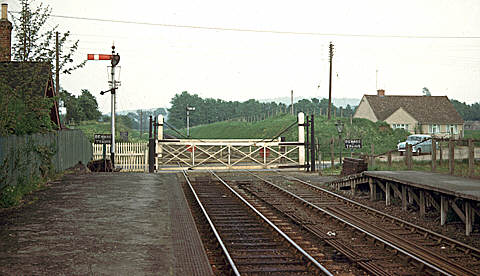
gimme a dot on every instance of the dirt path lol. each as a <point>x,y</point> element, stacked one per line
<point>92,224</point>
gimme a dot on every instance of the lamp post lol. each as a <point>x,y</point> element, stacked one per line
<point>188,109</point>
<point>339,126</point>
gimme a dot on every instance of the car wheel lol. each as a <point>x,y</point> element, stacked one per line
<point>401,153</point>
<point>419,152</point>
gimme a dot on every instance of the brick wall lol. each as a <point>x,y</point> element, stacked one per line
<point>5,40</point>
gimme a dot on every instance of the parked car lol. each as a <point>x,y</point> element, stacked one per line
<point>421,143</point>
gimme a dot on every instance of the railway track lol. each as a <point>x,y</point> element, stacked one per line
<point>377,242</point>
<point>250,243</point>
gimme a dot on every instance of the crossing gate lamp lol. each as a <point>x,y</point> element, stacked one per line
<point>339,126</point>
<point>114,60</point>
<point>188,109</point>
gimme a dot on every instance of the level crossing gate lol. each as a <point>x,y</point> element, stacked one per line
<point>229,154</point>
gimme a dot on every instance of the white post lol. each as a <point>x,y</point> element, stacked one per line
<point>159,147</point>
<point>301,138</point>
<point>188,122</point>
<point>229,156</point>
<point>145,164</point>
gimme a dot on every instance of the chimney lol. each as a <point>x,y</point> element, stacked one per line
<point>381,93</point>
<point>5,35</point>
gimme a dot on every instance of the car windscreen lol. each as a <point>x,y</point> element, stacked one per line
<point>414,138</point>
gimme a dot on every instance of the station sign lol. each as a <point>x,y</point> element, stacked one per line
<point>353,143</point>
<point>102,138</point>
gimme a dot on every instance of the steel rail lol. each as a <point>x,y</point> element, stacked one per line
<point>280,232</point>
<point>471,248</point>
<point>212,227</point>
<point>432,266</point>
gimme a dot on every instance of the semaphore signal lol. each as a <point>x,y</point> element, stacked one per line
<point>114,59</point>
<point>99,57</point>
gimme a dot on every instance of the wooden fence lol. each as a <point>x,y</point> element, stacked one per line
<point>130,157</point>
<point>444,152</point>
<point>21,158</point>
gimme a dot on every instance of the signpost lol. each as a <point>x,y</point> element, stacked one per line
<point>103,139</point>
<point>353,143</point>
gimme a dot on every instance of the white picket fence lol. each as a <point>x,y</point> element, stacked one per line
<point>130,157</point>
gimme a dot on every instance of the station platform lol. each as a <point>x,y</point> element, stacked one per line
<point>103,224</point>
<point>442,192</point>
<point>460,187</point>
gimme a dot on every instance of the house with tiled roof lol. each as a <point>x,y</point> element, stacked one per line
<point>434,115</point>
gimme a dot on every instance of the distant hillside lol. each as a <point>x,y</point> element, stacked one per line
<point>338,102</point>
<point>384,137</point>
<point>125,112</point>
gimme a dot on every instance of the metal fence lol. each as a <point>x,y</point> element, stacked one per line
<point>68,147</point>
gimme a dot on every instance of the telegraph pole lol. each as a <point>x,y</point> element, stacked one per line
<point>141,123</point>
<point>57,64</point>
<point>330,81</point>
<point>291,101</point>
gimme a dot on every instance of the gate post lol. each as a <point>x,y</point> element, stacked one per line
<point>312,143</point>
<point>307,142</point>
<point>301,138</point>
<point>151,148</point>
<point>158,146</point>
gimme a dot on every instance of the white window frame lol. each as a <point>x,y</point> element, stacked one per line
<point>455,129</point>
<point>402,126</point>
<point>434,128</point>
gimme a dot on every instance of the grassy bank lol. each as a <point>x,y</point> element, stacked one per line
<point>379,134</point>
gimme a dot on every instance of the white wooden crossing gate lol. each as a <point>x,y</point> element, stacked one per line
<point>202,154</point>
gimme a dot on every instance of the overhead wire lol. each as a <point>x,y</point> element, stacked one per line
<point>215,28</point>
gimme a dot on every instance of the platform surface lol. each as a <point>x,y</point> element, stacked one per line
<point>452,185</point>
<point>103,224</point>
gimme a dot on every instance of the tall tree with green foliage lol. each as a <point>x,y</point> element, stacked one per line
<point>81,108</point>
<point>89,105</point>
<point>467,112</point>
<point>34,41</point>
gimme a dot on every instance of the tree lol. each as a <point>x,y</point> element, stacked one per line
<point>23,113</point>
<point>85,107</point>
<point>467,112</point>
<point>74,110</point>
<point>89,105</point>
<point>426,92</point>
<point>34,43</point>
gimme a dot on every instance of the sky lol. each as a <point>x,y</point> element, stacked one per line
<point>399,46</point>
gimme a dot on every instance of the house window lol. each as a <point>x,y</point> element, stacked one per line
<point>434,129</point>
<point>402,126</point>
<point>453,129</point>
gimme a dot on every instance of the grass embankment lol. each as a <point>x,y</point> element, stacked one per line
<point>474,134</point>
<point>379,134</point>
<point>89,128</point>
